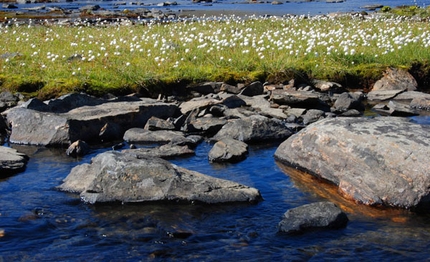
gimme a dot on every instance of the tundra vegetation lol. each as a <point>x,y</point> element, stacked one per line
<point>50,60</point>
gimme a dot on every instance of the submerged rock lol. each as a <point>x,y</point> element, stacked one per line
<point>374,161</point>
<point>114,176</point>
<point>321,215</point>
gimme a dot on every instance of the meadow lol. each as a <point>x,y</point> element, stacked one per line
<point>50,60</point>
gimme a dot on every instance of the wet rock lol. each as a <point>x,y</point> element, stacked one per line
<point>374,161</point>
<point>11,161</point>
<point>82,123</point>
<point>321,215</point>
<point>228,150</point>
<point>114,176</point>
<point>254,129</point>
<point>396,79</point>
<point>78,148</point>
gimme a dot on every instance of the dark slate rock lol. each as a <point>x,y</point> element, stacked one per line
<point>254,89</point>
<point>321,215</point>
<point>228,150</point>
<point>36,104</point>
<point>119,177</point>
<point>374,161</point>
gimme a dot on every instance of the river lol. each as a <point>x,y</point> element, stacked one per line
<point>40,223</point>
<point>232,6</point>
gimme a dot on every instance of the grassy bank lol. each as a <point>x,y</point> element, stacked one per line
<point>47,61</point>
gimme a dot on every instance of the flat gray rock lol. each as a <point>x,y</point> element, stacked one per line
<point>140,135</point>
<point>255,128</point>
<point>82,123</point>
<point>374,161</point>
<point>119,177</point>
<point>11,161</point>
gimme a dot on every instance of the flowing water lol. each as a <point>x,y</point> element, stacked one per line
<point>40,223</point>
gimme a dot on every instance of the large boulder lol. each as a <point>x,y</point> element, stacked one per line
<point>321,215</point>
<point>82,123</point>
<point>374,161</point>
<point>11,161</point>
<point>255,128</point>
<point>114,176</point>
<point>396,79</point>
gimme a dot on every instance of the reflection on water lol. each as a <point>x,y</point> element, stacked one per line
<point>37,222</point>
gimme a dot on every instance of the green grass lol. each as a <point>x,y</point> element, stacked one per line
<point>122,59</point>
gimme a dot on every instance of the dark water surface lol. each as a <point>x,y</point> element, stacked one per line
<point>39,223</point>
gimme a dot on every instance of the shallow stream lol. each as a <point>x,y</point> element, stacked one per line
<point>40,223</point>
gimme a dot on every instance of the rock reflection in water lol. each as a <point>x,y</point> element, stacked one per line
<point>309,183</point>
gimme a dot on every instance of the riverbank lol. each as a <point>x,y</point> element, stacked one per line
<point>120,56</point>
